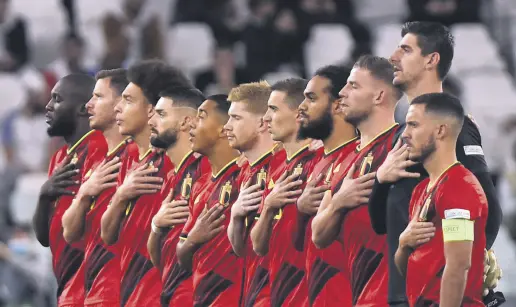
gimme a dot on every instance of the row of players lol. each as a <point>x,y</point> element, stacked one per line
<point>163,197</point>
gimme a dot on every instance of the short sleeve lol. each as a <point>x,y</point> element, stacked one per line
<point>461,200</point>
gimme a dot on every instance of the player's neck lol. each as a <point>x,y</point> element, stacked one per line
<point>82,128</point>
<point>438,162</point>
<point>263,145</point>
<point>113,137</point>
<point>142,140</point>
<point>220,155</point>
<point>291,147</point>
<point>342,133</point>
<point>179,150</point>
<point>374,125</point>
<point>424,87</point>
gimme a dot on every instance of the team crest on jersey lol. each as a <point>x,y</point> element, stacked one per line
<point>225,194</point>
<point>75,159</point>
<point>186,187</point>
<point>365,167</point>
<point>261,178</point>
<point>298,170</point>
<point>424,210</point>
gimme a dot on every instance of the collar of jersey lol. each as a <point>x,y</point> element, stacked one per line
<point>140,158</point>
<point>326,153</point>
<point>176,169</point>
<point>297,153</point>
<point>71,149</point>
<point>222,170</point>
<point>359,148</point>
<point>267,153</point>
<point>117,147</point>
<point>430,187</point>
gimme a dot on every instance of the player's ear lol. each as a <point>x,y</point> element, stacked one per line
<point>442,131</point>
<point>433,60</point>
<point>380,95</point>
<point>185,123</point>
<point>262,127</point>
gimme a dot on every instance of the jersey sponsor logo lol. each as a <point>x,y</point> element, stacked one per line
<point>473,150</point>
<point>457,214</point>
<point>186,187</point>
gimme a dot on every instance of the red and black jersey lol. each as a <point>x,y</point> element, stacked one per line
<point>102,262</point>
<point>456,194</point>
<point>365,252</point>
<point>327,284</point>
<point>256,288</point>
<point>177,283</point>
<point>217,271</point>
<point>67,258</point>
<point>141,282</point>
<point>287,250</point>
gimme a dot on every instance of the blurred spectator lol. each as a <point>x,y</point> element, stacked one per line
<point>14,50</point>
<point>24,270</point>
<point>71,59</point>
<point>69,7</point>
<point>132,35</point>
<point>446,12</point>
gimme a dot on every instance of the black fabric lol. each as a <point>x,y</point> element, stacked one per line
<point>16,43</point>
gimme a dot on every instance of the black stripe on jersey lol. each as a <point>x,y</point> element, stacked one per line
<point>322,272</point>
<point>423,302</point>
<point>365,265</point>
<point>69,264</point>
<point>300,232</point>
<point>209,288</point>
<point>99,257</point>
<point>260,280</point>
<point>289,277</point>
<point>174,279</point>
<point>138,267</point>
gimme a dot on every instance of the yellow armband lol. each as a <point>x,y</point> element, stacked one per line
<point>458,230</point>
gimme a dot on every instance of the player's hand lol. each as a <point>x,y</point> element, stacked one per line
<point>283,192</point>
<point>248,200</point>
<point>417,233</point>
<point>353,192</point>
<point>492,272</point>
<point>310,200</point>
<point>395,165</point>
<point>208,225</point>
<point>103,177</point>
<point>172,212</point>
<point>61,179</point>
<point>140,182</point>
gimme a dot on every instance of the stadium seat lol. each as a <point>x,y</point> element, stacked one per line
<point>328,44</point>
<point>25,197</point>
<point>190,46</point>
<point>474,49</point>
<point>387,38</point>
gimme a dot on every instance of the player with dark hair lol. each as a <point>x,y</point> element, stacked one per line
<point>441,251</point>
<point>204,247</point>
<point>421,62</point>
<point>321,118</point>
<point>280,230</point>
<point>170,126</point>
<point>248,133</point>
<point>368,102</point>
<point>67,117</point>
<point>127,221</point>
<point>82,219</point>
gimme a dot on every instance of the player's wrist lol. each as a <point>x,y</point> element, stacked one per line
<point>157,228</point>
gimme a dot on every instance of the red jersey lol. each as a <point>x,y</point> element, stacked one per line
<point>102,262</point>
<point>289,285</point>
<point>67,258</point>
<point>256,288</point>
<point>327,284</point>
<point>365,252</point>
<point>217,271</point>
<point>457,194</point>
<point>141,282</point>
<point>177,283</point>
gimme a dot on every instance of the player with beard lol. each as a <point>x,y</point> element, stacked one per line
<point>82,219</point>
<point>421,62</point>
<point>170,126</point>
<point>67,117</point>
<point>127,221</point>
<point>248,133</point>
<point>280,230</point>
<point>321,118</point>
<point>204,248</point>
<point>368,103</point>
<point>442,249</point>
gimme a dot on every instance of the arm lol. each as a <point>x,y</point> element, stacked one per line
<point>401,259</point>
<point>236,234</point>
<point>154,247</point>
<point>495,216</point>
<point>185,252</point>
<point>74,218</point>
<point>40,220</point>
<point>262,231</point>
<point>112,218</point>
<point>458,262</point>
<point>326,224</point>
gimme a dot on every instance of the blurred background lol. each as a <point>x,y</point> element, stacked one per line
<point>220,43</point>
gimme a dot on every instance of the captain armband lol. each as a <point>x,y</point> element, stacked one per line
<point>458,230</point>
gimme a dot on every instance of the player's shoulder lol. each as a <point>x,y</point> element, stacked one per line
<point>459,181</point>
<point>96,140</point>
